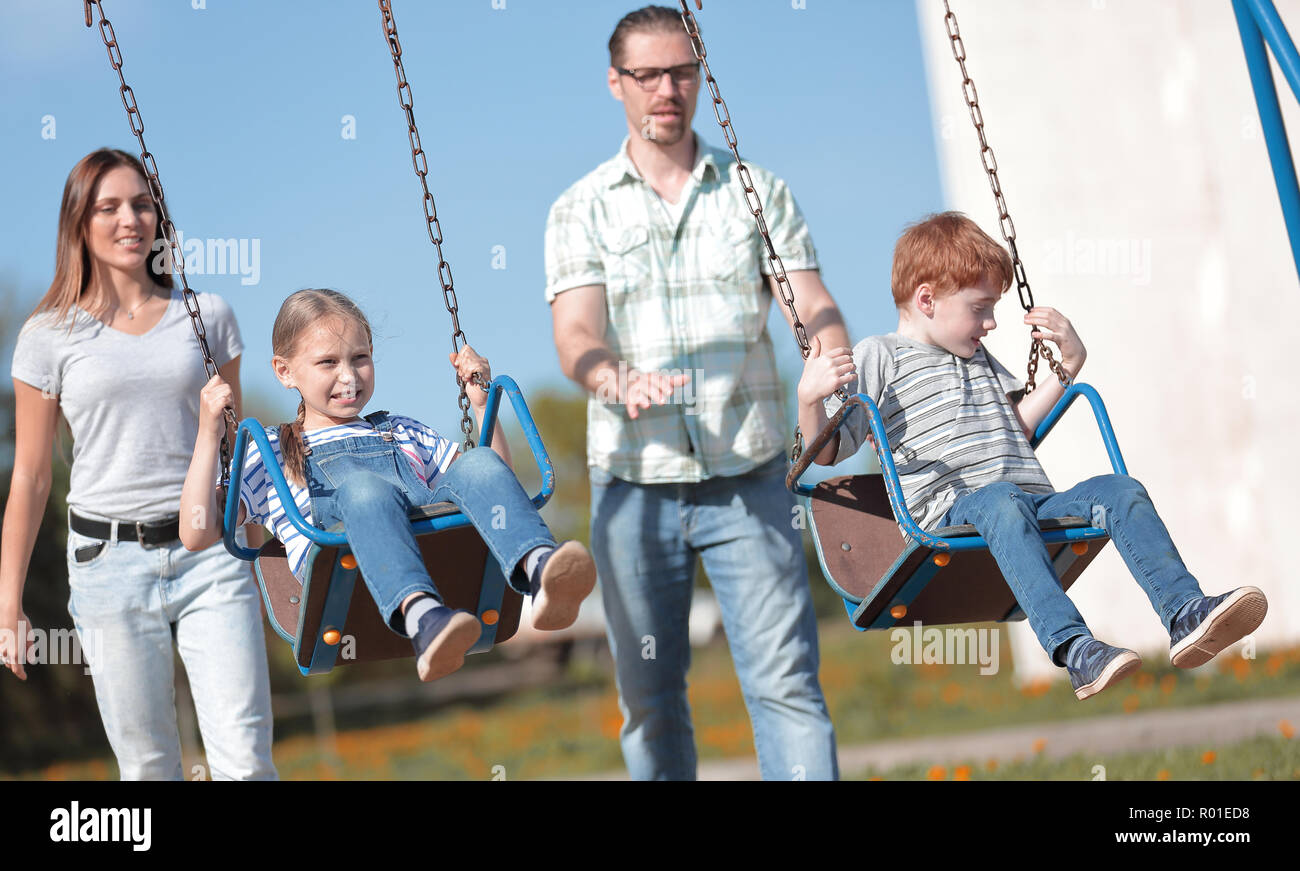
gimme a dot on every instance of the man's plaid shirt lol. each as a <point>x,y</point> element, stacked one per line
<point>688,296</point>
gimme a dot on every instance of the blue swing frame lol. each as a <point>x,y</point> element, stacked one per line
<point>343,580</point>
<point>916,537</point>
<point>1261,29</point>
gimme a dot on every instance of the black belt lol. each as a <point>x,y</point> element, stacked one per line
<point>151,534</point>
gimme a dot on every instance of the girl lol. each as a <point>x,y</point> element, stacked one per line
<point>111,346</point>
<point>367,473</point>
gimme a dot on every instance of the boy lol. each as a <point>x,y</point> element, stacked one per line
<point>959,425</point>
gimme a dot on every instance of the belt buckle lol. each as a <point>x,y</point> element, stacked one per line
<point>139,535</point>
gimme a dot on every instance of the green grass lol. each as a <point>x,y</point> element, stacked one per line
<point>1260,758</point>
<point>871,698</point>
<point>570,727</point>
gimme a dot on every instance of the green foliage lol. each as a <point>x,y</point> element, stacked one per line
<point>561,417</point>
<point>52,714</point>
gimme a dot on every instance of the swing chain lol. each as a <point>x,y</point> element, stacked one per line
<point>752,199</point>
<point>1037,347</point>
<point>420,163</point>
<point>175,258</point>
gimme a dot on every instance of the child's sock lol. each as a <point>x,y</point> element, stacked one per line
<point>534,561</point>
<point>1062,652</point>
<point>417,609</point>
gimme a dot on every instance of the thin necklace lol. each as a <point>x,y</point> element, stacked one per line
<point>130,315</point>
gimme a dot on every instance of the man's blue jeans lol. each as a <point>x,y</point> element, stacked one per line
<point>368,486</point>
<point>1007,517</point>
<point>645,539</point>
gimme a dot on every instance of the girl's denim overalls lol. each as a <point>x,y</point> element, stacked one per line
<point>367,485</point>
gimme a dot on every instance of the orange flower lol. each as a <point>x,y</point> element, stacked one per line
<point>951,693</point>
<point>961,772</point>
<point>1286,728</point>
<point>991,765</point>
<point>1162,774</point>
<point>1039,745</point>
<point>1131,703</point>
<point>1036,687</point>
<point>1207,758</point>
<point>936,772</point>
<point>1167,683</point>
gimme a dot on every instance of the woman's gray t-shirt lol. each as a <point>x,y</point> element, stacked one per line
<point>132,402</point>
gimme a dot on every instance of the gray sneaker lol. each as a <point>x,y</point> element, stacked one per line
<point>1214,623</point>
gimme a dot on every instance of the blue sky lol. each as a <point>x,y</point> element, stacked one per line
<point>244,105</point>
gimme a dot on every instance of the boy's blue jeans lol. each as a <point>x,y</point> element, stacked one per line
<point>646,539</point>
<point>368,485</point>
<point>1007,517</point>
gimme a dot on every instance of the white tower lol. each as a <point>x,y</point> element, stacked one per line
<point>1132,161</point>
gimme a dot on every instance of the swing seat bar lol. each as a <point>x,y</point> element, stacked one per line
<point>943,576</point>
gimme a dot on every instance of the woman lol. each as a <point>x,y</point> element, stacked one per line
<point>111,345</point>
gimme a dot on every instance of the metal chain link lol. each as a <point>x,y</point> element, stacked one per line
<point>1037,347</point>
<point>421,166</point>
<point>752,199</point>
<point>168,229</point>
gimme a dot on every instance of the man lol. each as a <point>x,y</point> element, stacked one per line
<point>656,280</point>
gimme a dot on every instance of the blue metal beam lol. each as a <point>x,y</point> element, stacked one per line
<point>1257,20</point>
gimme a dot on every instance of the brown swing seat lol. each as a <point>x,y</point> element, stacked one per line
<point>938,577</point>
<point>457,559</point>
<point>858,544</point>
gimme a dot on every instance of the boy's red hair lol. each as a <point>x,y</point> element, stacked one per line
<point>948,251</point>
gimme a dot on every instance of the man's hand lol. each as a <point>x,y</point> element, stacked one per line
<point>645,388</point>
<point>1052,326</point>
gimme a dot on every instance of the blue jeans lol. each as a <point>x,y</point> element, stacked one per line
<point>130,604</point>
<point>645,539</point>
<point>1007,517</point>
<point>368,486</point>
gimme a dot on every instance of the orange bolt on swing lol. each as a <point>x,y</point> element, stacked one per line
<point>942,559</point>
<point>1079,548</point>
<point>490,617</point>
<point>331,637</point>
<point>348,561</point>
<point>898,612</point>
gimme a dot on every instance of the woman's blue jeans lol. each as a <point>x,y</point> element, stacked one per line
<point>366,486</point>
<point>1007,517</point>
<point>134,607</point>
<point>646,539</point>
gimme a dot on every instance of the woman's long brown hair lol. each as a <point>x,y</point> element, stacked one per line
<point>73,269</point>
<point>299,312</point>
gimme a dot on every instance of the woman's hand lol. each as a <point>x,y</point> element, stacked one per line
<point>467,363</point>
<point>12,628</point>
<point>215,398</point>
